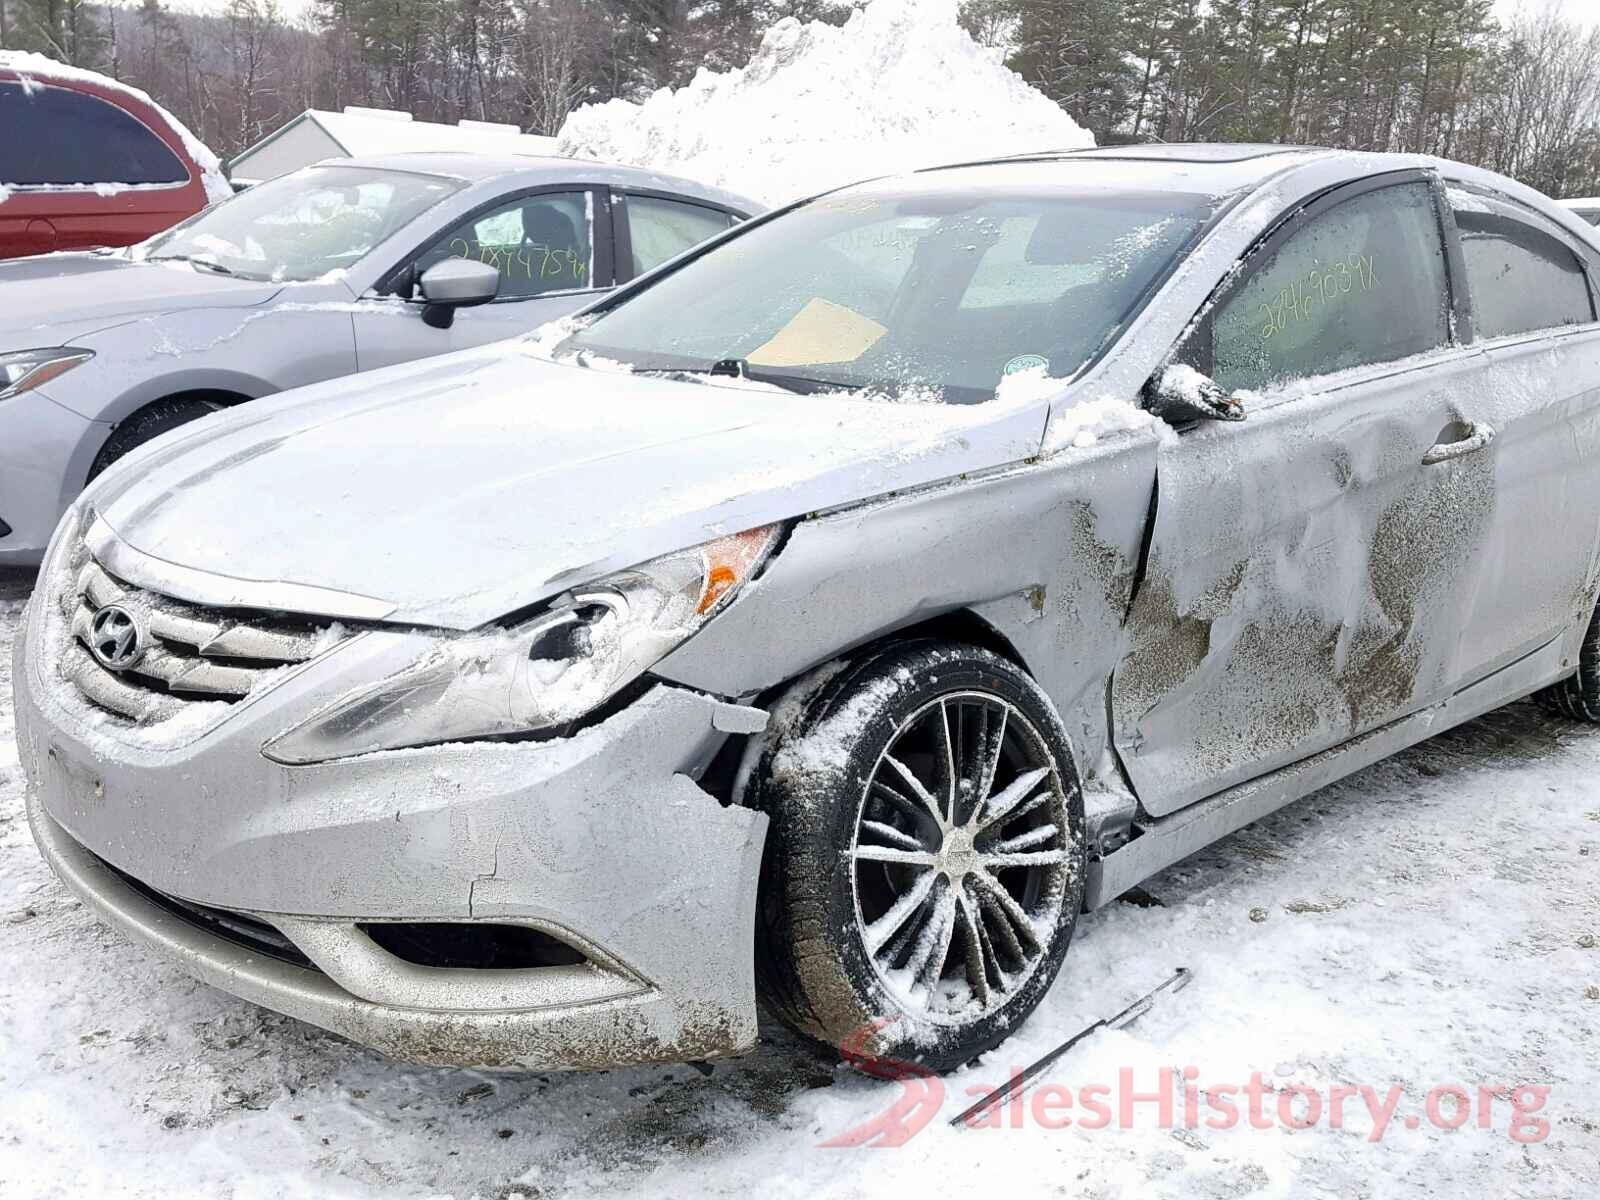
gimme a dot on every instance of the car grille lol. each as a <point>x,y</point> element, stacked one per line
<point>192,653</point>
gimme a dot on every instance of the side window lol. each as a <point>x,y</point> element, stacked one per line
<point>660,229</point>
<point>1362,282</point>
<point>1520,278</point>
<point>538,244</point>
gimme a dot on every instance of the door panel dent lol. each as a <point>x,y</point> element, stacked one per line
<point>1307,580</point>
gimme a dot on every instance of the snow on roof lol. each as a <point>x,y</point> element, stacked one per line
<point>900,85</point>
<point>30,66</point>
<point>369,131</point>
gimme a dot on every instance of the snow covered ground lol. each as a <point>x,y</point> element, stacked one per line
<point>1431,921</point>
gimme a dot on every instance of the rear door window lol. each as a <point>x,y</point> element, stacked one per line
<point>1521,278</point>
<point>539,244</point>
<point>661,229</point>
<point>1359,283</point>
<point>58,136</point>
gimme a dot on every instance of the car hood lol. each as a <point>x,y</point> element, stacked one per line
<point>48,299</point>
<point>458,490</point>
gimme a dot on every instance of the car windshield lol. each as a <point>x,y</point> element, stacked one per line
<point>911,291</point>
<point>301,226</point>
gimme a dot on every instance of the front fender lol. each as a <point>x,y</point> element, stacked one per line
<point>1045,552</point>
<point>249,351</point>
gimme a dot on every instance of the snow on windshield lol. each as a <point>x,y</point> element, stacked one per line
<point>308,225</point>
<point>900,85</point>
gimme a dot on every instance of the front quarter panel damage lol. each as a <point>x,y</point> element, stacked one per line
<point>1044,553</point>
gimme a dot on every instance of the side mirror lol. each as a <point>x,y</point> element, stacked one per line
<point>1178,394</point>
<point>455,283</point>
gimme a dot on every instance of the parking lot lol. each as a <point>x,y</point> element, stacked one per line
<point>1429,923</point>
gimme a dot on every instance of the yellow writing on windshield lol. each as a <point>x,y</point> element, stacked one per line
<point>1300,298</point>
<point>821,332</point>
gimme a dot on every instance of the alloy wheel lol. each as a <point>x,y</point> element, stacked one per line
<point>961,857</point>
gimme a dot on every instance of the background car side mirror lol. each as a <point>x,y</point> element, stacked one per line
<point>1178,393</point>
<point>456,283</point>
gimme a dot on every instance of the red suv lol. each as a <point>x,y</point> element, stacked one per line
<point>86,161</point>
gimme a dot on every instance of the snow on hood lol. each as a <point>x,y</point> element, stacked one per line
<point>899,86</point>
<point>36,66</point>
<point>49,297</point>
<point>471,485</point>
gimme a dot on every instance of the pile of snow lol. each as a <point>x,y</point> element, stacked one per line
<point>898,86</point>
<point>30,67</point>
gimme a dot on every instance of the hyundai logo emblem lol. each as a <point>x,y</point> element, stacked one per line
<point>116,638</point>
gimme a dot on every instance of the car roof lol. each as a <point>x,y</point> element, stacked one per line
<point>519,170</point>
<point>1195,151</point>
<point>1207,168</point>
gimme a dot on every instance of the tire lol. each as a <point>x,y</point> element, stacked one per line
<point>833,961</point>
<point>149,422</point>
<point>1578,695</point>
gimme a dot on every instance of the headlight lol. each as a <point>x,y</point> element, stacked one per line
<point>544,673</point>
<point>23,370</point>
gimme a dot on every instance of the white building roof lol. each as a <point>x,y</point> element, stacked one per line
<point>362,132</point>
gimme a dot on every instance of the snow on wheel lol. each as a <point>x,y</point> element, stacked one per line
<point>925,864</point>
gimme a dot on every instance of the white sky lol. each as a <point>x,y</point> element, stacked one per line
<point>1587,11</point>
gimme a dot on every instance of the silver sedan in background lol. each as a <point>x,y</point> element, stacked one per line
<point>832,615</point>
<point>342,267</point>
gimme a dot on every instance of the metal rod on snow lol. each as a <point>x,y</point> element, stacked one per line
<point>1127,1016</point>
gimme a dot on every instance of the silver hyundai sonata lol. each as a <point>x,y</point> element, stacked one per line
<point>833,615</point>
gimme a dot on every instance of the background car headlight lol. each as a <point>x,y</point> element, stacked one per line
<point>23,370</point>
<point>544,673</point>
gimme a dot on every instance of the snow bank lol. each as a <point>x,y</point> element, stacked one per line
<point>899,86</point>
<point>30,66</point>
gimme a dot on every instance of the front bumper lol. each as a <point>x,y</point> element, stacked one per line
<point>603,839</point>
<point>45,451</point>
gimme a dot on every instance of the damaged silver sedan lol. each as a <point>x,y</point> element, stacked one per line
<point>832,615</point>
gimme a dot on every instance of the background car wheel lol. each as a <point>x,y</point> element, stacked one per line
<point>149,422</point>
<point>1578,695</point>
<point>925,863</point>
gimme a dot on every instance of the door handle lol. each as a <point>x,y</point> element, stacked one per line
<point>1477,436</point>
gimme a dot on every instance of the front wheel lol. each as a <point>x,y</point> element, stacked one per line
<point>149,422</point>
<point>925,864</point>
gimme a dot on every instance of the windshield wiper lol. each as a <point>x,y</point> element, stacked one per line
<point>739,368</point>
<point>207,263</point>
